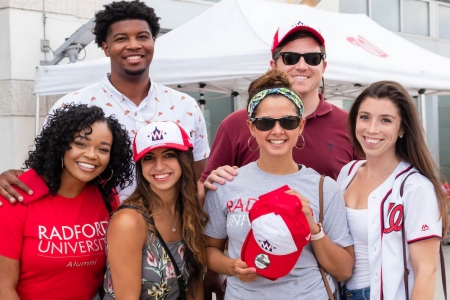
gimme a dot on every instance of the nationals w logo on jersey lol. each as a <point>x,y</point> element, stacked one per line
<point>395,218</point>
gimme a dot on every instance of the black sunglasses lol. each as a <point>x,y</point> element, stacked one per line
<point>291,58</point>
<point>265,124</point>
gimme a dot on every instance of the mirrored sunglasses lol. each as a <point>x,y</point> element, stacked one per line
<point>291,58</point>
<point>265,124</point>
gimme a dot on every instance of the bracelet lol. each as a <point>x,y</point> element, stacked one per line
<point>319,235</point>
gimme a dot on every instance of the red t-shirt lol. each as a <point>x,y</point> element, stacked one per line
<point>327,145</point>
<point>60,243</point>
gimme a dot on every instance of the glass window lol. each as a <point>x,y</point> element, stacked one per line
<point>218,106</point>
<point>444,133</point>
<point>444,22</point>
<point>353,7</point>
<point>387,13</point>
<point>415,17</point>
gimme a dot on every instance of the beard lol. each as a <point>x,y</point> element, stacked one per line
<point>134,72</point>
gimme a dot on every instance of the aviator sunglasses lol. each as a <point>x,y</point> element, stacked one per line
<point>291,58</point>
<point>265,124</point>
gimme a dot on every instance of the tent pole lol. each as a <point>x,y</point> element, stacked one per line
<point>235,96</point>
<point>36,117</point>
<point>202,102</point>
<point>422,107</point>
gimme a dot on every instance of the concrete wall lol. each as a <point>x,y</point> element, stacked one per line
<point>21,29</point>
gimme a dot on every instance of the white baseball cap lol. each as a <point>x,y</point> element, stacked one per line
<point>160,135</point>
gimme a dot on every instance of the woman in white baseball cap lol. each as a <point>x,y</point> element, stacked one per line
<point>155,241</point>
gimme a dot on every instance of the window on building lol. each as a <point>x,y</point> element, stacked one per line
<point>386,13</point>
<point>354,7</point>
<point>416,17</point>
<point>444,22</point>
<point>444,133</point>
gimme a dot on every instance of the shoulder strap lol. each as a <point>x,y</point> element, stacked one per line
<point>146,217</point>
<point>180,277</point>
<point>149,220</point>
<point>322,178</point>
<point>322,271</point>
<point>406,270</point>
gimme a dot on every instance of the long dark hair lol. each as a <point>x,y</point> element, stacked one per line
<point>59,132</point>
<point>412,146</point>
<point>193,216</point>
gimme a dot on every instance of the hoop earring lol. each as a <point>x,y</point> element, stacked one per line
<point>62,163</point>
<point>112,172</point>
<point>304,143</point>
<point>248,143</point>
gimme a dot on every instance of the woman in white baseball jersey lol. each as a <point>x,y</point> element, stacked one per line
<point>385,126</point>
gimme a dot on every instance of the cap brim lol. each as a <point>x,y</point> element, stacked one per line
<point>158,146</point>
<point>309,29</point>
<point>279,266</point>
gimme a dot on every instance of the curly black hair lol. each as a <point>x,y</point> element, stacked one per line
<point>120,11</point>
<point>59,132</point>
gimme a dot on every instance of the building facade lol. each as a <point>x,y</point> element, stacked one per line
<point>24,25</point>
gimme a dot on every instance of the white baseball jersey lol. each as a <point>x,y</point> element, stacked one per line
<point>417,210</point>
<point>161,104</point>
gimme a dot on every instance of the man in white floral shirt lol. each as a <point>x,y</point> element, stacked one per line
<point>126,31</point>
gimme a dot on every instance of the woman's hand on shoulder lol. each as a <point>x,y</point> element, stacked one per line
<point>243,272</point>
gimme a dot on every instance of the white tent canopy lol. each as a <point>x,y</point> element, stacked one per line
<point>228,46</point>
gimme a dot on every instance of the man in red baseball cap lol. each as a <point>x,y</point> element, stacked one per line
<point>299,50</point>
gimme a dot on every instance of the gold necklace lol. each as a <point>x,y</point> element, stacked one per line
<point>127,112</point>
<point>174,228</point>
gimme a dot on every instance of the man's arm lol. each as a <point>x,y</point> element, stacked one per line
<point>199,167</point>
<point>9,178</point>
<point>221,152</point>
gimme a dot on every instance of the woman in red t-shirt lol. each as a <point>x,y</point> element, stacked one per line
<point>52,246</point>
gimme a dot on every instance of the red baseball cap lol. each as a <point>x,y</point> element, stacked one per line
<point>279,231</point>
<point>160,135</point>
<point>284,31</point>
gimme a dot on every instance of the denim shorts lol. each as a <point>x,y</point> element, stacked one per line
<point>360,294</point>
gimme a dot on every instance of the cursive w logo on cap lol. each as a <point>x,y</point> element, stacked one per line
<point>157,135</point>
<point>267,246</point>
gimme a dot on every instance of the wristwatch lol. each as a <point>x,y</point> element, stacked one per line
<point>319,235</point>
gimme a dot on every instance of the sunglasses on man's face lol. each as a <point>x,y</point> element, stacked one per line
<point>291,58</point>
<point>265,124</point>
